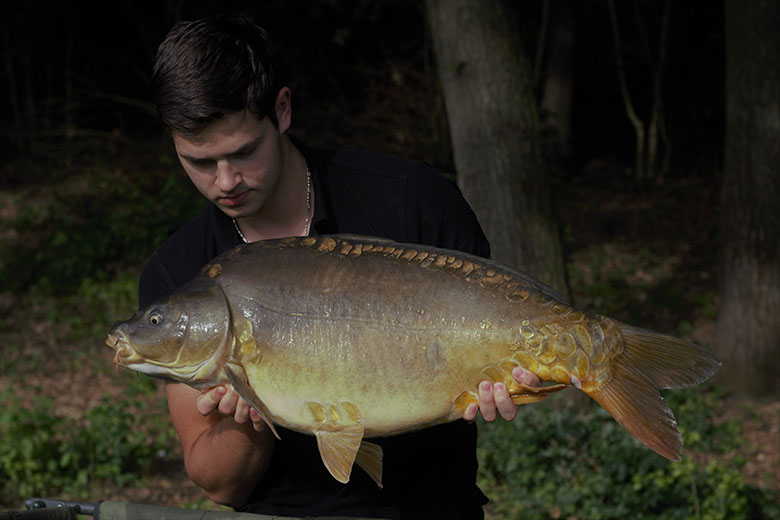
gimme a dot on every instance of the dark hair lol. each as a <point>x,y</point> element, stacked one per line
<point>209,68</point>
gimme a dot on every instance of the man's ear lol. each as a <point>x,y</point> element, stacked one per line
<point>283,107</point>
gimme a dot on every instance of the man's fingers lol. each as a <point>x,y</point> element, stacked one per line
<point>526,377</point>
<point>506,408</point>
<point>242,411</point>
<point>470,413</point>
<point>225,400</point>
<point>207,402</point>
<point>227,406</point>
<point>487,404</point>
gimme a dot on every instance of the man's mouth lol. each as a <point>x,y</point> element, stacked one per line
<point>234,200</point>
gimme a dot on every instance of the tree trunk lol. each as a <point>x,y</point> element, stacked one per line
<point>558,82</point>
<point>748,334</point>
<point>495,132</point>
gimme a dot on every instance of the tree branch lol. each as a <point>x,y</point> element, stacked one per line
<point>632,116</point>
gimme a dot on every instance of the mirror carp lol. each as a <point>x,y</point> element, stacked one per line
<point>347,338</point>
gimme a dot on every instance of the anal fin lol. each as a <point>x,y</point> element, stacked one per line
<point>524,394</point>
<point>527,398</point>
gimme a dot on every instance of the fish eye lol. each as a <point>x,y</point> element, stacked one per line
<point>155,318</point>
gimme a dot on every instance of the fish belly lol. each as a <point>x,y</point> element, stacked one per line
<point>391,381</point>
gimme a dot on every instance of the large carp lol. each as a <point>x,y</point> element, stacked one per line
<point>349,337</point>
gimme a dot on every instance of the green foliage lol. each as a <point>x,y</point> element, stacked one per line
<point>45,453</point>
<point>95,306</point>
<point>556,461</point>
<point>124,439</point>
<point>119,219</point>
<point>604,284</point>
<point>637,287</point>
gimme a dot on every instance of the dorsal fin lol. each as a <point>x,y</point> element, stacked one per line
<point>365,239</point>
<point>485,262</point>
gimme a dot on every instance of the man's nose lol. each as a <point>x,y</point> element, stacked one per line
<point>228,177</point>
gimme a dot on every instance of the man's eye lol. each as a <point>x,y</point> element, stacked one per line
<point>201,163</point>
<point>242,154</point>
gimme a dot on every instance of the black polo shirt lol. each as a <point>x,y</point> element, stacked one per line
<point>427,474</point>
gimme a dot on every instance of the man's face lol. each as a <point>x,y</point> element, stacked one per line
<point>236,162</point>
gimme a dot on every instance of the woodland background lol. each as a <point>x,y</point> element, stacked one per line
<point>89,186</point>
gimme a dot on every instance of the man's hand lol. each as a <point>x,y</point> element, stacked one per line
<point>228,403</point>
<point>494,398</point>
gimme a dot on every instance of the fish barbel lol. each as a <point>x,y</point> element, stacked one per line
<point>347,338</point>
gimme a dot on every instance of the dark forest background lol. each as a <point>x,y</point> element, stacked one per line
<point>90,186</point>
<point>362,75</point>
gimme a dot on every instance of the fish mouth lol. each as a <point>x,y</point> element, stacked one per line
<point>124,352</point>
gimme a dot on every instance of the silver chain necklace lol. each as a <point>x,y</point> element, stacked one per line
<point>308,208</point>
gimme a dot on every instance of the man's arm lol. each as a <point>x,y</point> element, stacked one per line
<point>227,447</point>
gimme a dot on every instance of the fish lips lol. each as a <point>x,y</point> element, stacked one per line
<point>127,357</point>
<point>124,352</point>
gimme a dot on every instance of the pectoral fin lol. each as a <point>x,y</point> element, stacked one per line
<point>339,449</point>
<point>244,390</point>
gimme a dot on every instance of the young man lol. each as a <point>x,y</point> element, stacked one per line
<point>218,95</point>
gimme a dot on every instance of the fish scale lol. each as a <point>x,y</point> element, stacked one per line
<point>347,338</point>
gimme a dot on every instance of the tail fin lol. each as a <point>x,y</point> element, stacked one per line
<point>650,362</point>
